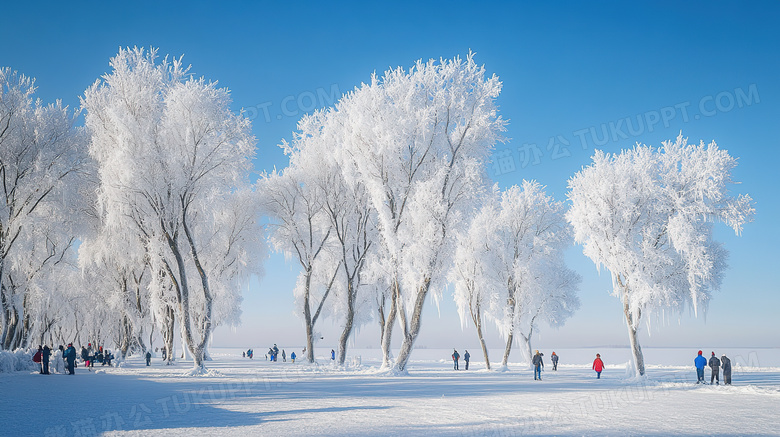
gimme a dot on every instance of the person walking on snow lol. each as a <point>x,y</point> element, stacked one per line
<point>466,358</point>
<point>598,366</point>
<point>333,355</point>
<point>538,365</point>
<point>455,358</point>
<point>700,362</point>
<point>148,358</point>
<point>554,359</point>
<point>725,364</point>
<point>284,356</point>
<point>715,367</point>
<point>292,357</point>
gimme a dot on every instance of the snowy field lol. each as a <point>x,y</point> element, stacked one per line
<point>257,397</point>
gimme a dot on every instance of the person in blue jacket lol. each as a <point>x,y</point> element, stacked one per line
<point>70,357</point>
<point>700,362</point>
<point>538,364</point>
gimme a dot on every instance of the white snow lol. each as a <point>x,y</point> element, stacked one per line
<point>239,396</point>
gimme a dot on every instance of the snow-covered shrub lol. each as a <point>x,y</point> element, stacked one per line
<point>16,361</point>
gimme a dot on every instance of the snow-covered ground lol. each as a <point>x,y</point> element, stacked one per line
<point>257,397</point>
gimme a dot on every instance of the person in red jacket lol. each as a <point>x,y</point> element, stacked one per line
<point>598,366</point>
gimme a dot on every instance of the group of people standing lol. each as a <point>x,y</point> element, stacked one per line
<point>715,365</point>
<point>273,353</point>
<point>456,357</point>
<point>91,356</point>
<point>538,364</point>
<point>536,361</point>
<point>64,358</point>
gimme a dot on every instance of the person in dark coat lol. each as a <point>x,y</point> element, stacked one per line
<point>70,358</point>
<point>45,353</point>
<point>466,358</point>
<point>554,359</point>
<point>284,356</point>
<point>538,365</point>
<point>700,362</point>
<point>85,356</point>
<point>725,364</point>
<point>715,367</point>
<point>148,358</point>
<point>455,358</point>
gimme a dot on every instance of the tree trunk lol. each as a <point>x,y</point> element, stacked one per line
<point>508,349</point>
<point>199,350</point>
<point>347,324</point>
<point>636,350</point>
<point>632,325</point>
<point>387,333</point>
<point>307,318</point>
<point>511,306</point>
<point>24,333</point>
<point>10,331</point>
<point>413,330</point>
<point>124,338</point>
<point>183,297</point>
<point>168,333</point>
<point>476,317</point>
<point>6,313</point>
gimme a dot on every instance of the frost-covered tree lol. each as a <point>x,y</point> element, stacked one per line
<point>41,157</point>
<point>300,228</point>
<point>418,141</point>
<point>317,153</point>
<point>350,218</point>
<point>646,215</point>
<point>173,164</point>
<point>513,254</point>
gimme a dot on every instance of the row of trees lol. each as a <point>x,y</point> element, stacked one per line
<point>145,219</point>
<point>155,193</point>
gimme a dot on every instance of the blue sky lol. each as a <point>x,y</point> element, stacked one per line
<point>577,76</point>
